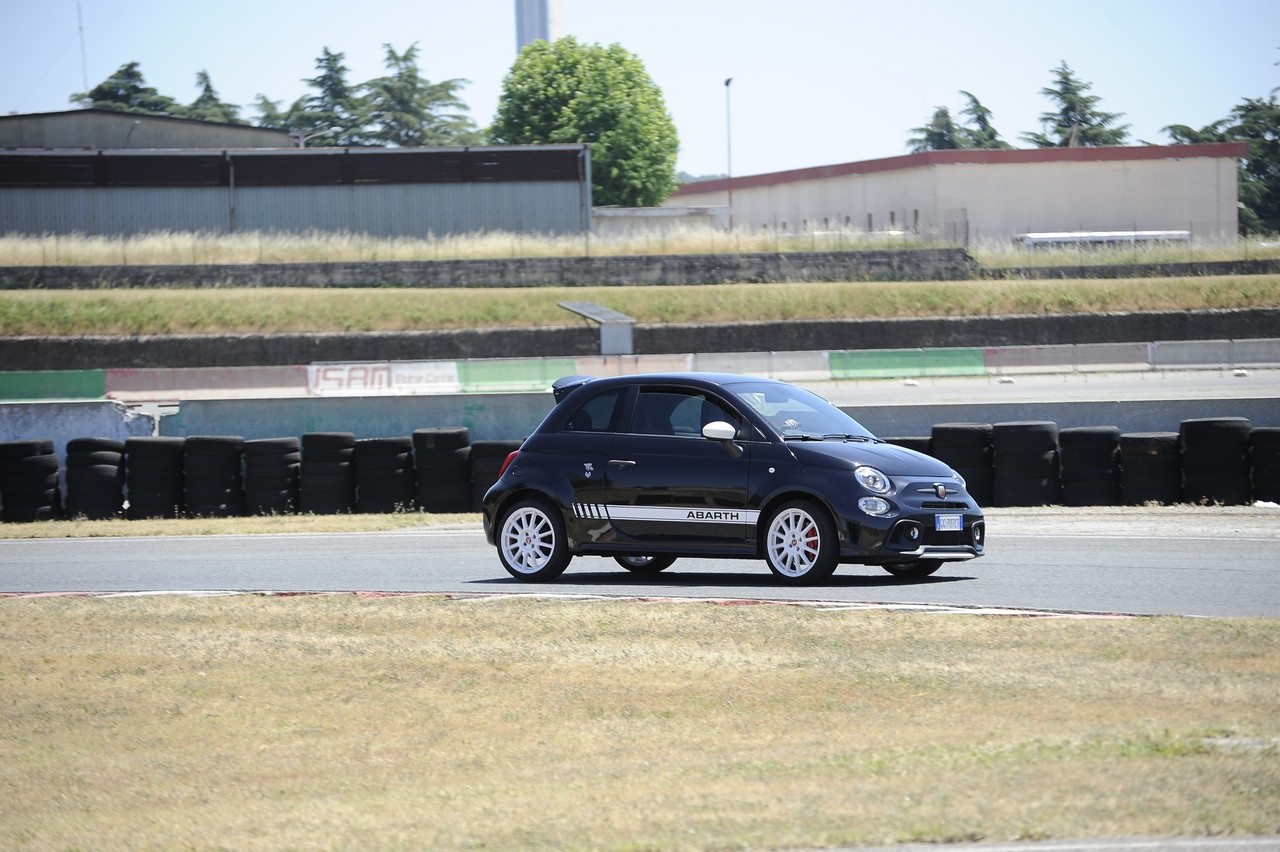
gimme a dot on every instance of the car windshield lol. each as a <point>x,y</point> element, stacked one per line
<point>797,414</point>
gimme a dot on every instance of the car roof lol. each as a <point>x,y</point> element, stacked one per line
<point>564,386</point>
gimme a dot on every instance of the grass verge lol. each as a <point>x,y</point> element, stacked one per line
<point>418,722</point>
<point>252,525</point>
<point>74,313</point>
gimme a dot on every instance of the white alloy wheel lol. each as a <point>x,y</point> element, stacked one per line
<point>531,542</point>
<point>800,544</point>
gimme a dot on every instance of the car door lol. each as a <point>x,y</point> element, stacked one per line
<point>666,484</point>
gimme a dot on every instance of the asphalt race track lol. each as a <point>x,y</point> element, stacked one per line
<point>1172,561</point>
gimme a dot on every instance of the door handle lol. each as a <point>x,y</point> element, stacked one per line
<point>621,463</point>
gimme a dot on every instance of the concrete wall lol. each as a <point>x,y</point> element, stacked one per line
<point>677,269</point>
<point>62,421</point>
<point>501,417</point>
<point>496,417</point>
<point>79,353</point>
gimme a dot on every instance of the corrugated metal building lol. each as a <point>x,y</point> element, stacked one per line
<point>104,128</point>
<point>543,189</point>
<point>972,195</point>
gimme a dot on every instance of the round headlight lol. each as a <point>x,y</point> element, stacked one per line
<point>873,480</point>
<point>874,505</point>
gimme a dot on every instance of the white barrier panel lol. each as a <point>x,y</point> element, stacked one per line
<point>383,378</point>
<point>792,366</point>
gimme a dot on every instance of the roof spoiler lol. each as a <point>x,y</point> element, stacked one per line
<point>567,385</point>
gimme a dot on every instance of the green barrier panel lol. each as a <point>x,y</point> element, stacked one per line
<point>54,384</point>
<point>533,374</point>
<point>901,363</point>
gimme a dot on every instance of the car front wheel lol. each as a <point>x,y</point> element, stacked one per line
<point>531,542</point>
<point>800,543</point>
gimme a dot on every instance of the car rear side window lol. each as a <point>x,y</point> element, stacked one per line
<point>597,414</point>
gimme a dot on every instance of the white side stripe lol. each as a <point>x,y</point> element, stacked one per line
<point>684,514</point>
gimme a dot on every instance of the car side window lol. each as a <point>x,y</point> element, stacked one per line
<point>677,412</point>
<point>597,414</point>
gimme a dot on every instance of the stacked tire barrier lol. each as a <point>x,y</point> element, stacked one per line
<point>29,473</point>
<point>95,478</point>
<point>385,480</point>
<point>1215,461</point>
<point>1026,463</point>
<point>1264,458</point>
<point>271,467</point>
<point>1223,461</point>
<point>327,482</point>
<point>443,459</point>
<point>154,477</point>
<point>212,478</point>
<point>1089,462</point>
<point>1150,468</point>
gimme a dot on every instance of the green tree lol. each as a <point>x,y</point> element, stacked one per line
<point>978,131</point>
<point>405,109</point>
<point>208,107</point>
<point>335,104</point>
<point>1182,134</point>
<point>940,134</point>
<point>568,92</point>
<point>1077,122</point>
<point>1257,121</point>
<point>127,91</point>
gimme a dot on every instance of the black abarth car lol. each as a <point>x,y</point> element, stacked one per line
<point>649,468</point>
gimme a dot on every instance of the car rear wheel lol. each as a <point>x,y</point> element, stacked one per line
<point>645,564</point>
<point>531,542</point>
<point>800,543</point>
<point>918,568</point>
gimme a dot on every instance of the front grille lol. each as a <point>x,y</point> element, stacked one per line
<point>948,539</point>
<point>942,504</point>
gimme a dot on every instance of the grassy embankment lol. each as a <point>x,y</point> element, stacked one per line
<point>267,310</point>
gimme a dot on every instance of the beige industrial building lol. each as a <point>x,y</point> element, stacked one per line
<point>971,197</point>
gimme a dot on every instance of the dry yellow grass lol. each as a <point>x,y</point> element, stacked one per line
<point>341,722</point>
<point>251,525</point>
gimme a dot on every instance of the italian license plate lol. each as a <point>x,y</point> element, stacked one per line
<point>948,523</point>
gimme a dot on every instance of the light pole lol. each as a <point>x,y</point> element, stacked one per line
<point>302,140</point>
<point>728,136</point>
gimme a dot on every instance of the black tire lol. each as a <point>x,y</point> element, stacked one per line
<point>441,438</point>
<point>443,479</point>
<point>1029,491</point>
<point>80,458</point>
<point>22,449</point>
<point>800,543</point>
<point>645,564</point>
<point>272,446</point>
<point>531,542</point>
<point>915,568</point>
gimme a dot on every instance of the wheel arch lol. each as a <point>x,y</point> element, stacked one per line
<point>771,504</point>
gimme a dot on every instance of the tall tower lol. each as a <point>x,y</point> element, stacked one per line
<point>537,20</point>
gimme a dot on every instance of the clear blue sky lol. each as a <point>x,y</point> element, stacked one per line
<point>815,82</point>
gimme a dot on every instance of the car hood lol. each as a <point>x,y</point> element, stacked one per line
<point>889,458</point>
